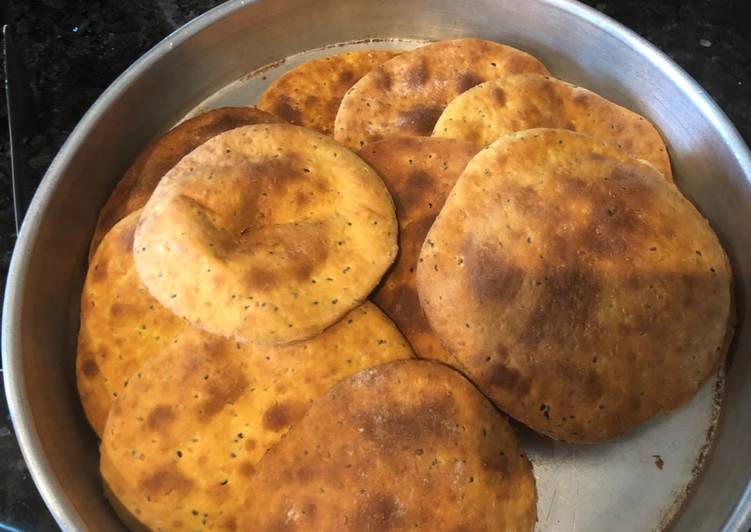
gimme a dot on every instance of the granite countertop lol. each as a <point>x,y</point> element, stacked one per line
<point>74,49</point>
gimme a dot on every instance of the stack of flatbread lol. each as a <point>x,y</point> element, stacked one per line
<point>263,280</point>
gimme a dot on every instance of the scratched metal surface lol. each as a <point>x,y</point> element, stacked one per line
<point>637,482</point>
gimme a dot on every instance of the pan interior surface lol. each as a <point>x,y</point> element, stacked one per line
<point>637,482</point>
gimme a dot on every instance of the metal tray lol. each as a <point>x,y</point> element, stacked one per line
<point>228,56</point>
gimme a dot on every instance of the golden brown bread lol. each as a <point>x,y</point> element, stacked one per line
<point>578,289</point>
<point>419,172</point>
<point>402,446</point>
<point>183,440</point>
<point>405,95</point>
<point>266,233</point>
<point>136,186</point>
<point>122,325</point>
<point>514,103</point>
<point>310,94</point>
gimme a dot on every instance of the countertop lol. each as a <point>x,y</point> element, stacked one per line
<point>73,49</point>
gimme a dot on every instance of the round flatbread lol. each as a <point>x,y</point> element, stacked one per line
<point>183,441</point>
<point>136,186</point>
<point>577,288</point>
<point>402,446</point>
<point>419,172</point>
<point>526,101</point>
<point>309,95</point>
<point>267,234</point>
<point>405,95</point>
<point>122,325</point>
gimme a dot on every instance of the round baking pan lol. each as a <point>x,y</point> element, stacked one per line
<point>687,471</point>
